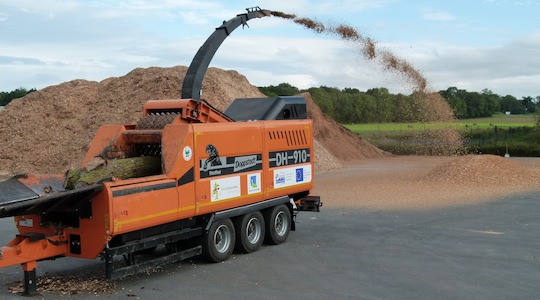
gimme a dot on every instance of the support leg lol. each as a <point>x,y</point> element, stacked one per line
<point>30,278</point>
<point>109,263</point>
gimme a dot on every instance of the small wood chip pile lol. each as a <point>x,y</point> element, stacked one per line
<point>68,285</point>
<point>483,170</point>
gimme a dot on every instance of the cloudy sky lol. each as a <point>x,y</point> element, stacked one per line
<point>470,44</point>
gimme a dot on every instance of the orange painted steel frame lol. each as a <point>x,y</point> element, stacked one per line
<point>185,189</point>
<point>175,198</point>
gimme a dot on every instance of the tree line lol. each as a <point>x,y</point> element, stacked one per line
<point>6,97</point>
<point>378,105</point>
<point>476,105</point>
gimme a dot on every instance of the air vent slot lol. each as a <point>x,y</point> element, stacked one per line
<point>292,137</point>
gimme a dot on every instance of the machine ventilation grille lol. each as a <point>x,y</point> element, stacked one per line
<point>293,137</point>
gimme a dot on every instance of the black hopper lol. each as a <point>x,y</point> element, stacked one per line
<point>276,108</point>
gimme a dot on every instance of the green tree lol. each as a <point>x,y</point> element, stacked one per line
<point>384,104</point>
<point>6,97</point>
<point>282,89</point>
<point>513,105</point>
<point>323,100</point>
<point>366,108</point>
<point>351,91</point>
<point>492,102</point>
<point>471,104</point>
<point>456,99</point>
<point>345,109</point>
<point>528,104</point>
<point>475,105</point>
<point>402,108</point>
<point>459,107</point>
<point>350,105</point>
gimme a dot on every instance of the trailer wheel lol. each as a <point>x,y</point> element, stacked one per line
<point>218,243</point>
<point>249,232</point>
<point>278,224</point>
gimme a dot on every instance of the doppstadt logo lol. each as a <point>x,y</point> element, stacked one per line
<point>244,162</point>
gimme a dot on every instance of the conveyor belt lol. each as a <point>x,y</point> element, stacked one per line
<point>13,191</point>
<point>21,195</point>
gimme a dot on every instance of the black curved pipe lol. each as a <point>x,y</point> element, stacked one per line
<point>191,87</point>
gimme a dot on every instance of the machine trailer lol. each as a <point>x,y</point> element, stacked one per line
<point>206,182</point>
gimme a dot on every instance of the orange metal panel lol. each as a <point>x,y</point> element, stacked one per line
<point>96,231</point>
<point>104,137</point>
<point>169,104</point>
<point>177,149</point>
<point>32,224</point>
<point>178,163</point>
<point>142,205</point>
<point>289,150</point>
<point>22,250</point>
<point>207,167</point>
<point>226,157</point>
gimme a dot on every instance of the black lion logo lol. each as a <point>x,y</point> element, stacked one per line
<point>213,157</point>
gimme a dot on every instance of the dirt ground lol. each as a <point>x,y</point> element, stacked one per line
<point>426,182</point>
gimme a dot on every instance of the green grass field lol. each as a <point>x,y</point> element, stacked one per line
<point>493,135</point>
<point>499,120</point>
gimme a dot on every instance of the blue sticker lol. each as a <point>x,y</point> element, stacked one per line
<point>253,181</point>
<point>300,175</point>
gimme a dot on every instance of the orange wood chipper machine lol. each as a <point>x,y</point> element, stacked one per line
<point>224,181</point>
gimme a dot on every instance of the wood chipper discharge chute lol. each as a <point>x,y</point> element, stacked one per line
<point>185,176</point>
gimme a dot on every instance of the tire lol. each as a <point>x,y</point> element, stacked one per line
<point>278,224</point>
<point>249,232</point>
<point>218,243</point>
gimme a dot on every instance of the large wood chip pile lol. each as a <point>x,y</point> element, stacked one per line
<point>49,131</point>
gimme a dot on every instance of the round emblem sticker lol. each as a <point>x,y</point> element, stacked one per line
<point>187,153</point>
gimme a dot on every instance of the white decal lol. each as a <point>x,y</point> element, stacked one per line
<point>26,222</point>
<point>292,176</point>
<point>225,188</point>
<point>187,153</point>
<point>244,162</point>
<point>291,157</point>
<point>254,183</point>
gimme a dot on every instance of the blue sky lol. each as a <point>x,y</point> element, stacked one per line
<point>470,44</point>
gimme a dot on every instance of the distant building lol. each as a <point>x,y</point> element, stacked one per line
<point>507,113</point>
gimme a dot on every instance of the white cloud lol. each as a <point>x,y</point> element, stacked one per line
<point>44,7</point>
<point>437,16</point>
<point>511,68</point>
<point>192,18</point>
<point>309,8</point>
<point>271,51</point>
<point>167,9</point>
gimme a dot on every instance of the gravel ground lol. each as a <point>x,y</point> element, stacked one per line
<point>374,200</point>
